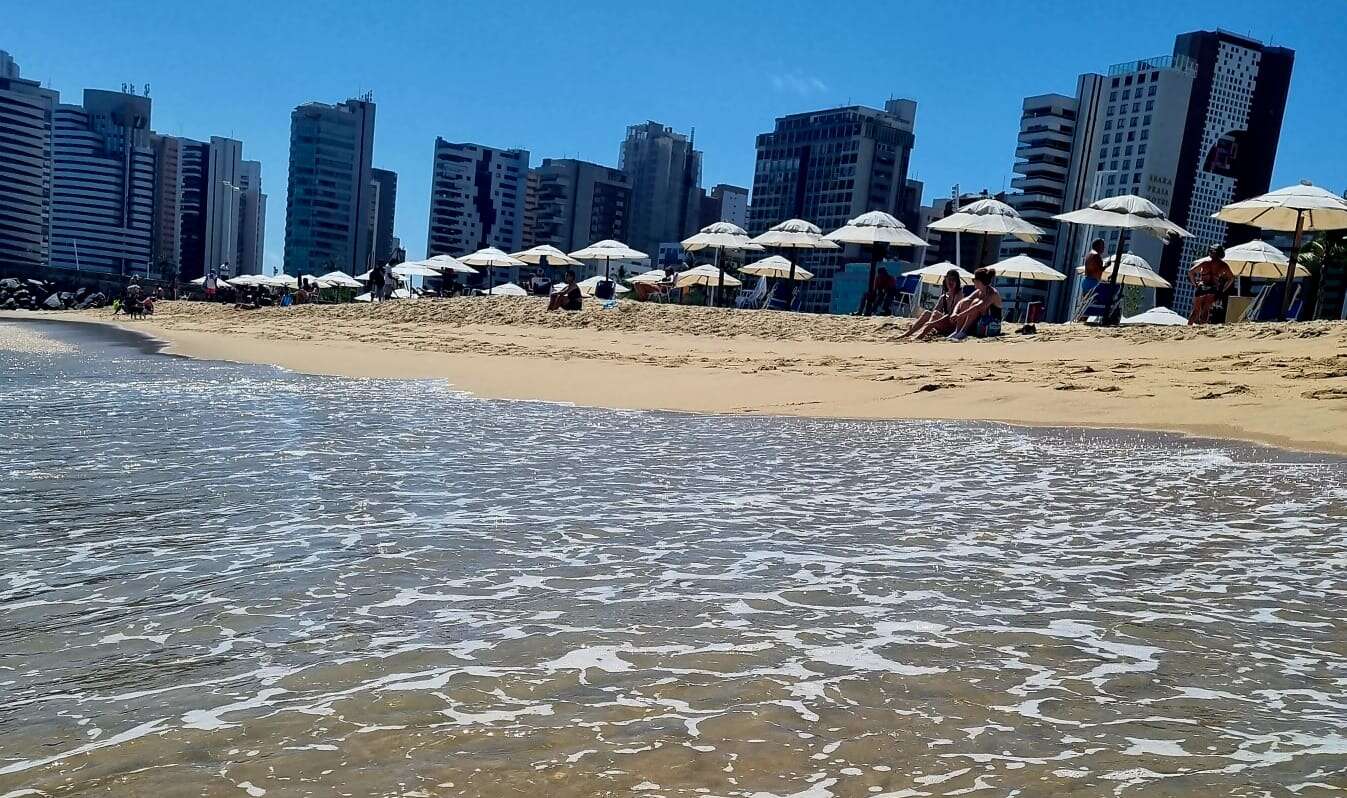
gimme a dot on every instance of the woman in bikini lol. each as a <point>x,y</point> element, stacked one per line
<point>936,320</point>
<point>980,312</point>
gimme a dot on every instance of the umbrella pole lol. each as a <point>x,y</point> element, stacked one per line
<point>870,286</point>
<point>720,280</point>
<point>1291,267</point>
<point>488,281</point>
<point>791,302</point>
<point>1117,267</point>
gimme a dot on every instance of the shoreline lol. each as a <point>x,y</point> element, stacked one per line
<point>1267,385</point>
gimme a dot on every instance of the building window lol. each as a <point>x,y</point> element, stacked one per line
<point>1147,121</point>
<point>1150,105</point>
<point>1151,92</point>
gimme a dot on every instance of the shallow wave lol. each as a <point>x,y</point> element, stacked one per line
<point>257,582</point>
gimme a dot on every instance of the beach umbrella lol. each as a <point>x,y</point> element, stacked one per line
<point>705,275</point>
<point>490,258</point>
<point>1159,315</point>
<point>281,281</point>
<point>338,279</point>
<point>778,267</point>
<point>878,231</point>
<point>363,276</point>
<point>794,234</point>
<point>545,255</point>
<point>588,285</point>
<point>508,289</point>
<point>1124,213</point>
<point>720,237</point>
<point>1135,271</point>
<point>415,269</point>
<point>935,274</point>
<point>1023,267</point>
<point>1300,209</point>
<point>445,263</point>
<point>608,251</point>
<point>988,217</point>
<point>1259,259</point>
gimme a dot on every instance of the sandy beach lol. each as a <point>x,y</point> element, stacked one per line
<point>1284,385</point>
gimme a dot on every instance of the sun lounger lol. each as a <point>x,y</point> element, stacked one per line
<point>1100,305</point>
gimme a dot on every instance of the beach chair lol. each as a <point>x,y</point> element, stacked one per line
<point>905,298</point>
<point>781,296</point>
<point>1100,305</point>
<point>1267,306</point>
<point>752,298</point>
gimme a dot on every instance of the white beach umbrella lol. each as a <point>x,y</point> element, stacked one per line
<point>1135,271</point>
<point>935,273</point>
<point>545,255</point>
<point>1160,316</point>
<point>415,269</point>
<point>794,234</point>
<point>1259,259</point>
<point>1023,267</point>
<point>778,267</point>
<point>281,281</point>
<point>1125,213</point>
<point>508,289</point>
<point>338,279</point>
<point>705,275</point>
<point>989,217</point>
<point>364,276</point>
<point>490,258</point>
<point>1300,209</point>
<point>720,237</point>
<point>447,263</point>
<point>608,251</point>
<point>878,231</point>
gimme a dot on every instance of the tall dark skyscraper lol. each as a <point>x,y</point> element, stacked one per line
<point>1230,140</point>
<point>327,212</point>
<point>386,199</point>
<point>665,173</point>
<point>829,167</point>
<point>575,203</point>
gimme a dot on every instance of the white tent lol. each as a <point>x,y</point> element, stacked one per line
<point>509,289</point>
<point>1160,315</point>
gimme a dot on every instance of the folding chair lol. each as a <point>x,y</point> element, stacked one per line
<point>905,298</point>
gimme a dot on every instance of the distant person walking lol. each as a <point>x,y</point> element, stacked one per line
<point>376,284</point>
<point>212,284</point>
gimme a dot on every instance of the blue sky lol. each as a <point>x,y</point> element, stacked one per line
<point>564,79</point>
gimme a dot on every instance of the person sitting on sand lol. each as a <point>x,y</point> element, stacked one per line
<point>1211,278</point>
<point>568,298</point>
<point>980,312</point>
<point>936,321</point>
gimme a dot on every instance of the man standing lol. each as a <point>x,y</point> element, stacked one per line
<point>1094,266</point>
<point>1211,278</point>
<point>212,284</point>
<point>376,284</point>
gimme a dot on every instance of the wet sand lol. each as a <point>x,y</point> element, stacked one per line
<point>1284,385</point>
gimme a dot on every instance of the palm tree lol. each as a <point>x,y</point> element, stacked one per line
<point>1326,258</point>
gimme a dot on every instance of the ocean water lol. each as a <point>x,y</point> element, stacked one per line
<point>226,580</point>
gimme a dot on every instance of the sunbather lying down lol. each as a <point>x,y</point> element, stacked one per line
<point>978,314</point>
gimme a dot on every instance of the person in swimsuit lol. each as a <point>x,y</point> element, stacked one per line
<point>568,298</point>
<point>1211,278</point>
<point>1094,266</point>
<point>980,312</point>
<point>936,320</point>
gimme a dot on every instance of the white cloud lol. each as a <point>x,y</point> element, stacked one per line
<point>798,83</point>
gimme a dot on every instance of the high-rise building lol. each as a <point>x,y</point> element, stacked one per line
<point>665,172</point>
<point>725,203</point>
<point>25,169</point>
<point>476,199</point>
<point>386,197</point>
<point>1229,143</point>
<point>327,207</point>
<point>1191,132</point>
<point>1042,162</point>
<point>222,205</point>
<point>252,220</point>
<point>828,167</point>
<point>571,204</point>
<point>166,230</point>
<point>102,209</point>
